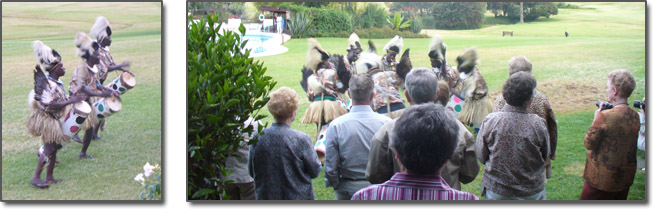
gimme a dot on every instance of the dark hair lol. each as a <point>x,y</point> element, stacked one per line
<point>361,87</point>
<point>518,89</point>
<point>425,137</point>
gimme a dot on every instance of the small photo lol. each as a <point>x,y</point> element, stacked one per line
<point>416,101</point>
<point>81,101</point>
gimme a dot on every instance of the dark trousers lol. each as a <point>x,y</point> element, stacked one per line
<point>590,193</point>
<point>241,191</point>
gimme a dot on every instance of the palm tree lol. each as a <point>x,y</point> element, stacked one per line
<point>398,22</point>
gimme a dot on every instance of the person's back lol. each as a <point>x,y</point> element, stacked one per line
<point>611,155</point>
<point>278,164</point>
<point>413,187</point>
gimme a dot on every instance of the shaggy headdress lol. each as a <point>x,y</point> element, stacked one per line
<point>85,46</point>
<point>467,60</point>
<point>45,56</point>
<point>437,48</point>
<point>354,42</point>
<point>315,55</point>
<point>395,44</point>
<point>101,29</point>
<point>369,60</point>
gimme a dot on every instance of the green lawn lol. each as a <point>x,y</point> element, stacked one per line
<point>132,136</point>
<point>571,72</point>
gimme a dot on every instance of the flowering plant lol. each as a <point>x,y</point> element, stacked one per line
<point>151,181</point>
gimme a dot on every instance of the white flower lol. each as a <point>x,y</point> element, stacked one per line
<point>139,178</point>
<point>149,169</point>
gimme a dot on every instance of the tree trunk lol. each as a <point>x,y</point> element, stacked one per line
<point>521,12</point>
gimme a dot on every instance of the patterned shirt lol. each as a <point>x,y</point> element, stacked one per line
<point>403,186</point>
<point>540,106</point>
<point>105,61</point>
<point>611,144</point>
<point>386,89</point>
<point>514,147</point>
<point>283,163</point>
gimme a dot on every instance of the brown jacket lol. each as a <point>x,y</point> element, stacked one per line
<point>462,167</point>
<point>611,144</point>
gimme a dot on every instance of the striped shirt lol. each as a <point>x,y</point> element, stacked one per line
<point>403,186</point>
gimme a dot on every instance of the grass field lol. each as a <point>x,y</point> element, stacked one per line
<point>571,72</point>
<point>132,136</point>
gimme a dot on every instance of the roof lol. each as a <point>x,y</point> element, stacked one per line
<point>274,9</point>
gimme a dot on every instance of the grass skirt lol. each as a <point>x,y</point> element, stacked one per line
<point>48,128</point>
<point>92,119</point>
<point>332,110</point>
<point>475,111</point>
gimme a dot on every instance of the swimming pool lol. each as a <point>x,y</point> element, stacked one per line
<point>255,42</point>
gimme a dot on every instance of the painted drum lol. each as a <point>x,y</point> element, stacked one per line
<point>320,144</point>
<point>455,104</point>
<point>75,118</point>
<point>106,107</point>
<point>123,82</point>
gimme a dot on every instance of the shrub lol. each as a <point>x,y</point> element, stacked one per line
<point>224,86</point>
<point>416,27</point>
<point>458,15</point>
<point>300,25</point>
<point>385,32</point>
<point>397,22</point>
<point>329,21</point>
<point>372,16</point>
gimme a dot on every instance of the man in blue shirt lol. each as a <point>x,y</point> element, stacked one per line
<point>348,140</point>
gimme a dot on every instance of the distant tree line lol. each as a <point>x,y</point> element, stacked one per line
<point>532,10</point>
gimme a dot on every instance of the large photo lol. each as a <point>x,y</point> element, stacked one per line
<point>416,101</point>
<point>81,101</point>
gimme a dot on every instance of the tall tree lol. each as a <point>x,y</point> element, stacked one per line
<point>521,12</point>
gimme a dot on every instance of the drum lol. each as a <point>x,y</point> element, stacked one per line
<point>106,107</point>
<point>75,118</point>
<point>320,144</point>
<point>455,104</point>
<point>123,82</point>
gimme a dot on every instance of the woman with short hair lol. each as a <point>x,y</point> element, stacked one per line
<point>514,145</point>
<point>283,162</point>
<point>611,143</point>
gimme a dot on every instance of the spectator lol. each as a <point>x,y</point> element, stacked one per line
<point>540,106</point>
<point>611,143</point>
<point>423,138</point>
<point>283,162</point>
<point>348,140</point>
<point>422,86</point>
<point>514,145</point>
<point>242,187</point>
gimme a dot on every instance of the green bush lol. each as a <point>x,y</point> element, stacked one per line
<point>300,25</point>
<point>416,27</point>
<point>225,86</point>
<point>458,15</point>
<point>385,32</point>
<point>428,22</point>
<point>373,16</point>
<point>397,22</point>
<point>329,21</point>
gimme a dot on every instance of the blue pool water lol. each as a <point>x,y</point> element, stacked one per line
<point>255,42</point>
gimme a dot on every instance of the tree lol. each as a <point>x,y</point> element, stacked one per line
<point>398,22</point>
<point>521,12</point>
<point>225,87</point>
<point>458,15</point>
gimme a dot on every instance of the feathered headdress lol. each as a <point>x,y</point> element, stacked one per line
<point>354,42</point>
<point>101,29</point>
<point>369,60</point>
<point>467,60</point>
<point>405,65</point>
<point>395,44</point>
<point>437,48</point>
<point>45,56</point>
<point>315,55</point>
<point>85,46</point>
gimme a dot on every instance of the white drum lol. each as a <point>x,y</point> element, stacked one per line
<point>75,118</point>
<point>123,82</point>
<point>320,144</point>
<point>106,107</point>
